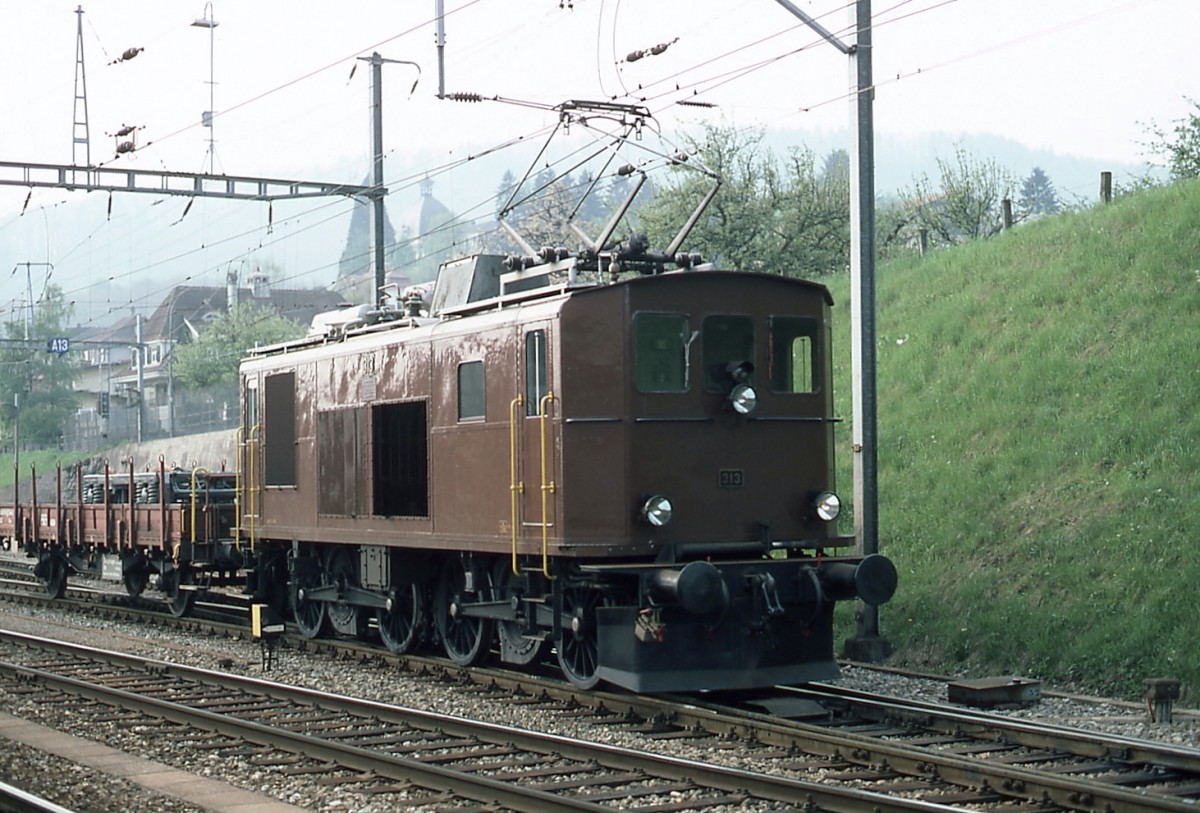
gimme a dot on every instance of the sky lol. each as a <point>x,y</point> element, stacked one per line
<point>292,99</point>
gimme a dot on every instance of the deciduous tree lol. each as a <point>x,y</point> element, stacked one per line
<point>44,381</point>
<point>213,357</point>
<point>964,203</point>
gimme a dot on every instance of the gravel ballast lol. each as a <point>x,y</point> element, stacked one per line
<point>85,790</point>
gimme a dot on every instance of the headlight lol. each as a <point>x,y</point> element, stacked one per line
<point>828,506</point>
<point>657,511</point>
<point>744,399</point>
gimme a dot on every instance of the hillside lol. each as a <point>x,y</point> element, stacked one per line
<point>1038,447</point>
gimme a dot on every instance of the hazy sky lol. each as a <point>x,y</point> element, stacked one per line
<point>1081,77</point>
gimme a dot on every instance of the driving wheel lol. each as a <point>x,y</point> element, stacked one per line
<point>467,639</point>
<point>401,626</point>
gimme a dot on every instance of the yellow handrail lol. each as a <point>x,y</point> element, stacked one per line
<point>514,487</point>
<point>547,485</point>
<point>252,485</point>
<point>237,490</point>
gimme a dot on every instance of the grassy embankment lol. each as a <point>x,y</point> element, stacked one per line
<point>1039,447</point>
<point>43,462</point>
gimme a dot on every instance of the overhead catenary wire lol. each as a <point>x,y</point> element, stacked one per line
<point>663,96</point>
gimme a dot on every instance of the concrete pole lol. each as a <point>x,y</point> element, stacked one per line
<point>867,644</point>
<point>378,191</point>
<point>139,349</point>
<point>377,198</point>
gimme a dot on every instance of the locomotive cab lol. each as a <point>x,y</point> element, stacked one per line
<point>718,467</point>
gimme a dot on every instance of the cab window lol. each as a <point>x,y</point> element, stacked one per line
<point>660,352</point>
<point>536,387</point>
<point>793,355</point>
<point>727,340</point>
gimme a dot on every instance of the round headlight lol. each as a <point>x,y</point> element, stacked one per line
<point>828,506</point>
<point>744,399</point>
<point>657,511</point>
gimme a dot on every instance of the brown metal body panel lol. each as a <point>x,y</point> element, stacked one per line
<point>621,445</point>
<point>468,462</point>
<point>582,471</point>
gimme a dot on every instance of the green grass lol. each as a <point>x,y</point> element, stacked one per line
<point>43,462</point>
<point>1039,443</point>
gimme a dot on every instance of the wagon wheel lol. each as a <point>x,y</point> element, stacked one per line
<point>54,570</point>
<point>340,568</point>
<point>515,645</point>
<point>400,627</point>
<point>135,581</point>
<point>466,639</point>
<point>181,600</point>
<point>578,639</point>
<point>134,574</point>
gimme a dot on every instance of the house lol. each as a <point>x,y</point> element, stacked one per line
<point>110,364</point>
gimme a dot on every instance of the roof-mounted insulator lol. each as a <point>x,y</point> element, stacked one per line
<point>514,262</point>
<point>686,260</point>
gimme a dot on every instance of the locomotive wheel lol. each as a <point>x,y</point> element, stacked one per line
<point>55,570</point>
<point>311,618</point>
<point>348,619</point>
<point>466,639</point>
<point>181,601</point>
<point>400,628</point>
<point>515,646</point>
<point>578,640</point>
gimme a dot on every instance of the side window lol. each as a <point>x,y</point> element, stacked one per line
<point>661,344</point>
<point>251,405</point>
<point>535,371</point>
<point>471,403</point>
<point>279,429</point>
<point>793,354</point>
<point>727,340</point>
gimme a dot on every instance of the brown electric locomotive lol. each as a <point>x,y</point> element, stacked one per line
<point>637,473</point>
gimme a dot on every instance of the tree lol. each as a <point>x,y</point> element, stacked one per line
<point>213,357</point>
<point>43,380</point>
<point>965,203</point>
<point>1181,147</point>
<point>1038,196</point>
<point>542,208</point>
<point>781,217</point>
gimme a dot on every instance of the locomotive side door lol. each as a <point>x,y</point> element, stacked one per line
<point>537,445</point>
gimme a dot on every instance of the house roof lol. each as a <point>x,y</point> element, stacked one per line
<point>198,305</point>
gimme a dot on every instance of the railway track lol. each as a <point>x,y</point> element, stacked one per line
<point>392,749</point>
<point>948,756</point>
